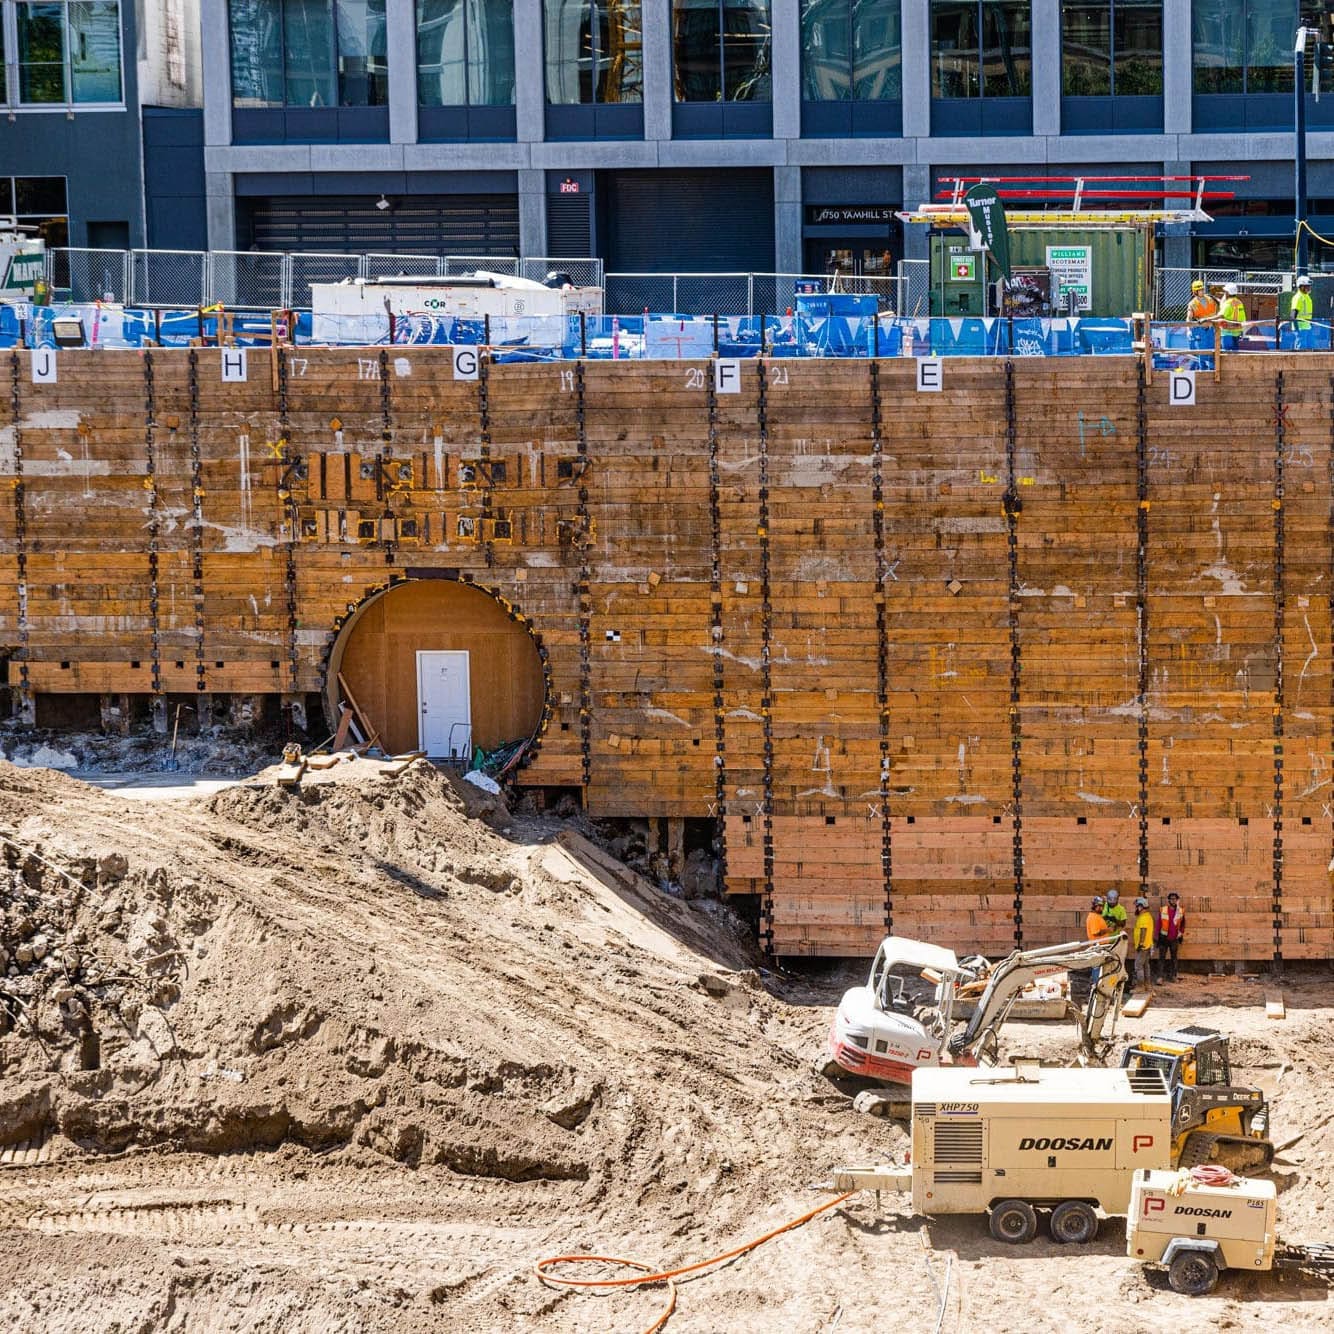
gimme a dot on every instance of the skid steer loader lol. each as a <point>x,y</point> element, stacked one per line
<point>1213,1120</point>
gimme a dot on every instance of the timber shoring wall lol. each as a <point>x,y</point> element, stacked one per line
<point>944,662</point>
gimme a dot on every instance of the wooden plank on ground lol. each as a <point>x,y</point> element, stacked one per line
<point>1136,1005</point>
<point>1275,1008</point>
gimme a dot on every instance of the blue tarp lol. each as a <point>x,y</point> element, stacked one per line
<point>822,326</point>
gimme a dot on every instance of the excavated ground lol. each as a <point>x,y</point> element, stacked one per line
<point>354,1056</point>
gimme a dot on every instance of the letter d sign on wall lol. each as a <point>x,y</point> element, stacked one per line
<point>465,363</point>
<point>1181,389</point>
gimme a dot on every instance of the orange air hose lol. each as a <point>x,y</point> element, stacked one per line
<point>667,1276</point>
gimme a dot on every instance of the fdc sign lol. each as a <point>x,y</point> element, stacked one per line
<point>1181,389</point>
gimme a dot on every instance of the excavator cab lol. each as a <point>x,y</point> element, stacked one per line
<point>1212,1119</point>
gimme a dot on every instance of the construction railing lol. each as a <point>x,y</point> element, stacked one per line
<point>260,279</point>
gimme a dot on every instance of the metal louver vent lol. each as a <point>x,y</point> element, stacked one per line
<point>925,1109</point>
<point>964,1177</point>
<point>955,1143</point>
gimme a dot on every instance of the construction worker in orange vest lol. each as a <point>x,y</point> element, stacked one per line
<point>1095,925</point>
<point>1202,311</point>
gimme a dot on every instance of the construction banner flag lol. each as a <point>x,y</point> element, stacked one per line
<point>988,215</point>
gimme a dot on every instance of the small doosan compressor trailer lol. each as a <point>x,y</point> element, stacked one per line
<point>1203,1220</point>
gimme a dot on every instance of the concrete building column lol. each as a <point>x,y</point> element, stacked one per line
<point>532,213</point>
<point>916,191</point>
<point>916,69</point>
<point>1046,67</point>
<point>529,73</point>
<point>787,219</point>
<point>785,62</point>
<point>1176,236</point>
<point>1177,70</point>
<point>220,210</point>
<point>216,45</point>
<point>657,38</point>
<point>401,35</point>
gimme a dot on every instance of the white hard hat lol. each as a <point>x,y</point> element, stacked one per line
<point>1230,289</point>
<point>1303,281</point>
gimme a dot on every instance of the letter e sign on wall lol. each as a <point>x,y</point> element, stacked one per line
<point>930,375</point>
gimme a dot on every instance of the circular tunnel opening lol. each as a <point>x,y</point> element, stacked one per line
<point>439,666</point>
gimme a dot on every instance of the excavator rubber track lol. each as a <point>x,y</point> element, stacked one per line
<point>1238,1153</point>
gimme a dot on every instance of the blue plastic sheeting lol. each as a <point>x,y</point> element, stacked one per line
<point>822,326</point>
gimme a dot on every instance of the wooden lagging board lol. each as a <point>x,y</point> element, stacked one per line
<point>1020,616</point>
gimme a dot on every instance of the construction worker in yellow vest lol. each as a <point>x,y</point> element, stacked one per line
<point>1299,316</point>
<point>1232,317</point>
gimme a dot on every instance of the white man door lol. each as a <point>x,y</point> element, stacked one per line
<point>445,705</point>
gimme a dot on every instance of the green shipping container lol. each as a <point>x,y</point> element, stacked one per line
<point>1107,266</point>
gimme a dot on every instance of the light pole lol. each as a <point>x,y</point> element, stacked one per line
<point>1299,95</point>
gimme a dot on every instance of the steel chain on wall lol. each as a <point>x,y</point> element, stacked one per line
<point>584,590</point>
<point>1142,615</point>
<point>197,525</point>
<point>26,704</point>
<point>484,449</point>
<point>287,464</point>
<point>881,644</point>
<point>154,519</point>
<point>1012,506</point>
<point>766,665</point>
<point>716,632</point>
<point>1280,612</point>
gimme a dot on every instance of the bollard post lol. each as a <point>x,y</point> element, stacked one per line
<point>715,333</point>
<point>583,333</point>
<point>764,320</point>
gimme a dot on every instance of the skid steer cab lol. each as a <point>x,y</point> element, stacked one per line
<point>1200,1223</point>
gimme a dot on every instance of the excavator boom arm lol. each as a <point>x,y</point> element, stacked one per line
<point>1012,974</point>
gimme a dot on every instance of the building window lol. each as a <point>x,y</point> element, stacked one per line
<point>1245,46</point>
<point>851,50</point>
<point>594,52</point>
<point>1112,48</point>
<point>981,48</point>
<point>720,50</point>
<point>39,202</point>
<point>309,53</point>
<point>465,53</point>
<point>68,53</point>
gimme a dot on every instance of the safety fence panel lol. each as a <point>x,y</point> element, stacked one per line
<point>248,279</point>
<point>401,266</point>
<point>169,278</point>
<point>454,266</point>
<point>307,269</point>
<point>582,272</point>
<point>88,275</point>
<point>914,297</point>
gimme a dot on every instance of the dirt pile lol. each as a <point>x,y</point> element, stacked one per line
<point>353,1056</point>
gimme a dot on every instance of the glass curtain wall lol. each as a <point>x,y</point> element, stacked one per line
<point>981,48</point>
<point>721,50</point>
<point>68,52</point>
<point>1244,46</point>
<point>309,53</point>
<point>851,50</point>
<point>1112,48</point>
<point>594,52</point>
<point>465,53</point>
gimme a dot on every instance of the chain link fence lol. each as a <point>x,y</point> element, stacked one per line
<point>1172,292</point>
<point>914,287</point>
<point>89,275</point>
<point>262,280</point>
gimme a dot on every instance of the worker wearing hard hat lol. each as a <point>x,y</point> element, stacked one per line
<point>1202,306</point>
<point>1141,961</point>
<point>1299,315</point>
<point>1231,317</point>
<point>1200,315</point>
